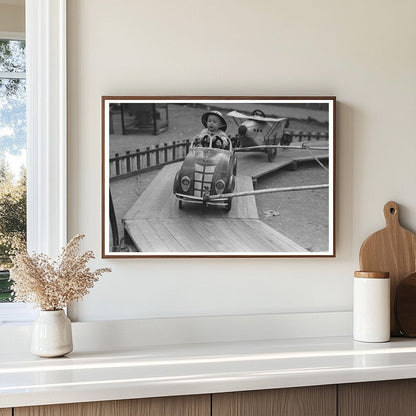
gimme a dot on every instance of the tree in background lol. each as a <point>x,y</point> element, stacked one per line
<point>12,223</point>
<point>12,98</point>
<point>12,213</point>
<point>12,145</point>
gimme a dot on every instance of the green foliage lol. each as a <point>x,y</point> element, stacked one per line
<point>12,142</point>
<point>12,214</point>
<point>12,55</point>
<point>6,294</point>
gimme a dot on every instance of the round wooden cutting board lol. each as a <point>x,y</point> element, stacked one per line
<point>393,250</point>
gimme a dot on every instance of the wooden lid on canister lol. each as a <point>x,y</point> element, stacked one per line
<point>372,275</point>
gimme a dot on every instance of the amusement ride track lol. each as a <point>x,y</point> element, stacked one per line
<point>156,224</point>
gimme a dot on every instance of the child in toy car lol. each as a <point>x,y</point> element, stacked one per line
<point>215,126</point>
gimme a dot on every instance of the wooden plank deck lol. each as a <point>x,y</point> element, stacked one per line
<point>201,236</point>
<point>156,224</point>
<point>159,202</point>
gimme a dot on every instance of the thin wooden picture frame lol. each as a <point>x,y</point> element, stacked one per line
<point>218,176</point>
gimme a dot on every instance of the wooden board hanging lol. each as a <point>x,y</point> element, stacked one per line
<point>393,250</point>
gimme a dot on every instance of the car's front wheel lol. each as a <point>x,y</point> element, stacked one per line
<point>228,206</point>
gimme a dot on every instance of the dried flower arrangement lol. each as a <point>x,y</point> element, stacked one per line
<point>53,285</point>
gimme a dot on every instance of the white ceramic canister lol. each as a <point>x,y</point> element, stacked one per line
<point>371,310</point>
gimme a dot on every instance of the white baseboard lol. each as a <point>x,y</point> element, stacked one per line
<point>127,334</point>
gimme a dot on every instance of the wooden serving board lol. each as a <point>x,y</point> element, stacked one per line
<point>393,250</point>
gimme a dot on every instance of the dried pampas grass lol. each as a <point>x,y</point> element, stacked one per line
<point>53,285</point>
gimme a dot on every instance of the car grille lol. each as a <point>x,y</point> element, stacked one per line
<point>203,179</point>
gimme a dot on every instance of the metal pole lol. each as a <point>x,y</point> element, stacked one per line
<point>269,191</point>
<point>279,146</point>
<point>114,228</point>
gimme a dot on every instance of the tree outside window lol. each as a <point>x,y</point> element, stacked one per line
<point>12,156</point>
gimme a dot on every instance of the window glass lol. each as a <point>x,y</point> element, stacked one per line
<point>12,56</point>
<point>12,156</point>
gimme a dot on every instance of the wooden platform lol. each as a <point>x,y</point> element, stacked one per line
<point>156,224</point>
<point>159,202</point>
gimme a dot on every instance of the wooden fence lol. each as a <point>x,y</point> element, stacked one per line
<point>302,136</point>
<point>135,162</point>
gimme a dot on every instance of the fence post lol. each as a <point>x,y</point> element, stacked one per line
<point>157,154</point>
<point>117,165</point>
<point>188,145</point>
<point>138,158</point>
<point>166,152</point>
<point>173,150</point>
<point>128,161</point>
<point>148,157</point>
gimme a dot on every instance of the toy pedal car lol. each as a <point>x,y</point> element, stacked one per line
<point>209,168</point>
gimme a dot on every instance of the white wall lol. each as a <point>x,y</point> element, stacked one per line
<point>363,52</point>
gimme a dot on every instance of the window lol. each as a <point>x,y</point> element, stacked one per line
<point>12,144</point>
<point>12,153</point>
<point>46,134</point>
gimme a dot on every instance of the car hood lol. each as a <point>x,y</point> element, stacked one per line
<point>206,157</point>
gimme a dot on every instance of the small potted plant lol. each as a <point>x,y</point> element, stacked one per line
<point>52,286</point>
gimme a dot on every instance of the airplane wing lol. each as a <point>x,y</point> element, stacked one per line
<point>237,114</point>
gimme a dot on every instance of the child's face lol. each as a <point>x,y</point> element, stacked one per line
<point>213,123</point>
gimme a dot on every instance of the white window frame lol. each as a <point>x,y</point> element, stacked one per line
<point>46,133</point>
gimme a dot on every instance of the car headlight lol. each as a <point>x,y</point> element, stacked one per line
<point>185,183</point>
<point>219,186</point>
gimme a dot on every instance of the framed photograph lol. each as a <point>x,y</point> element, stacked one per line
<point>218,177</point>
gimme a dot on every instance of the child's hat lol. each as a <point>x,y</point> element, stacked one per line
<point>215,113</point>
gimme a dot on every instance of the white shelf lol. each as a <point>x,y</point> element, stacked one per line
<point>151,371</point>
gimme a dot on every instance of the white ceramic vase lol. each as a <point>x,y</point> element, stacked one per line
<point>52,334</point>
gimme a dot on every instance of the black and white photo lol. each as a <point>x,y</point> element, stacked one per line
<point>218,176</point>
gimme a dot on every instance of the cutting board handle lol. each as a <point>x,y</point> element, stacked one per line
<point>391,214</point>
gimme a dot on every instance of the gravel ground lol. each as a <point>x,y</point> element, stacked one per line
<point>301,216</point>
